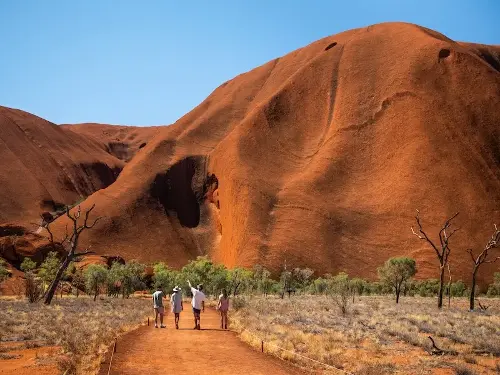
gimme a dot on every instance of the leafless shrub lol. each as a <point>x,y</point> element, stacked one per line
<point>377,369</point>
<point>9,356</point>
<point>469,359</point>
<point>33,288</point>
<point>66,364</point>
<point>463,370</point>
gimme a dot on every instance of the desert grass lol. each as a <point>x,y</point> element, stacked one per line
<point>80,327</point>
<point>375,336</point>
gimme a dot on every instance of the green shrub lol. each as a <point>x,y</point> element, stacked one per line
<point>4,272</point>
<point>28,265</point>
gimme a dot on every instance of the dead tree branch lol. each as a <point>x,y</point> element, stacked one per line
<point>481,258</point>
<point>442,250</point>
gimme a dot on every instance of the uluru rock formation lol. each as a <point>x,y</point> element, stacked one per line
<point>120,141</point>
<point>44,167</point>
<point>321,157</point>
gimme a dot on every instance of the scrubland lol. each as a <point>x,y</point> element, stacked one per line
<point>375,336</point>
<point>77,329</point>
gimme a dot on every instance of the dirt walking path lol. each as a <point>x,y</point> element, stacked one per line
<point>152,351</point>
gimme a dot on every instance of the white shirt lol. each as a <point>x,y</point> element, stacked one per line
<point>198,298</point>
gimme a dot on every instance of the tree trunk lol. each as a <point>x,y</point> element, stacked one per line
<point>441,287</point>
<point>55,283</point>
<point>398,292</point>
<point>472,296</point>
<point>95,294</point>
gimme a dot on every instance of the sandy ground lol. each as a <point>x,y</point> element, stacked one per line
<point>186,351</point>
<point>29,361</point>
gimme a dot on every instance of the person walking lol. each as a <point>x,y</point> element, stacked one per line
<point>158,307</point>
<point>198,303</point>
<point>177,306</point>
<point>223,307</point>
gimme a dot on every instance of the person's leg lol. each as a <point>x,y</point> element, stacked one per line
<point>225,319</point>
<point>221,319</point>
<point>162,313</point>
<point>156,318</point>
<point>195,320</point>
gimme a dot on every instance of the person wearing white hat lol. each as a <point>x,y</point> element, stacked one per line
<point>176,303</point>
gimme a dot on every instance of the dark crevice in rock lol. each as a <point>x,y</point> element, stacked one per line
<point>184,187</point>
<point>331,45</point>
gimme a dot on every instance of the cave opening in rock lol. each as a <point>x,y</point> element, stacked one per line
<point>183,188</point>
<point>175,192</point>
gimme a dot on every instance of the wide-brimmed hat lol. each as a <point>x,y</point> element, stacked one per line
<point>176,289</point>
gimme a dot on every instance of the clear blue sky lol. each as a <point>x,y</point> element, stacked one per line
<point>149,62</point>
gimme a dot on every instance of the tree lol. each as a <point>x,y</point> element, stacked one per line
<point>301,278</point>
<point>199,271</point>
<point>49,267</point>
<point>396,272</point>
<point>442,251</point>
<point>494,289</point>
<point>132,278</point>
<point>358,286</point>
<point>341,289</point>
<point>480,259</point>
<point>219,279</point>
<point>114,279</point>
<point>95,278</point>
<point>429,287</point>
<point>262,279</point>
<point>320,286</point>
<point>457,289</point>
<point>70,243</point>
<point>4,272</point>
<point>164,278</point>
<point>78,281</point>
<point>286,283</point>
<point>27,265</point>
<point>239,278</point>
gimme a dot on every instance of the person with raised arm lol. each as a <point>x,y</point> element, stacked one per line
<point>198,303</point>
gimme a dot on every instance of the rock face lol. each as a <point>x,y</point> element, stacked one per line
<point>121,141</point>
<point>321,157</point>
<point>43,167</point>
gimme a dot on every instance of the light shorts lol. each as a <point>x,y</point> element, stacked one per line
<point>160,310</point>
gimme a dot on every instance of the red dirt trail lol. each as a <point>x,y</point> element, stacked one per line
<point>209,351</point>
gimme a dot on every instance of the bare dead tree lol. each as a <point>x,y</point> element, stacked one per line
<point>442,251</point>
<point>70,243</point>
<point>435,350</point>
<point>449,285</point>
<point>482,258</point>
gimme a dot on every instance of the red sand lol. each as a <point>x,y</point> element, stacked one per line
<point>321,157</point>
<point>209,351</point>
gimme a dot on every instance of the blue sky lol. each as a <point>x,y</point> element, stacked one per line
<point>150,62</point>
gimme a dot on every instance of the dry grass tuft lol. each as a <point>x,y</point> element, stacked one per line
<point>463,370</point>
